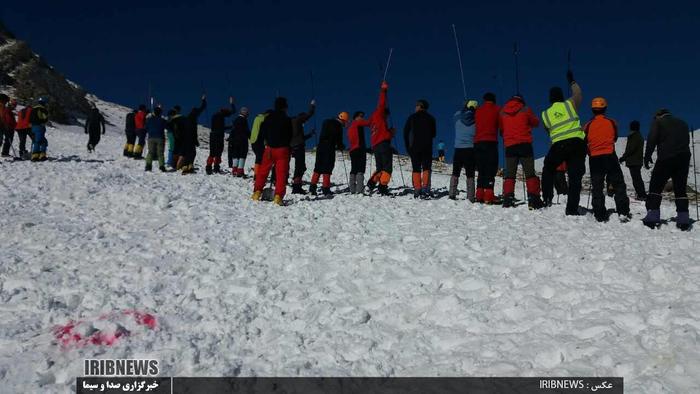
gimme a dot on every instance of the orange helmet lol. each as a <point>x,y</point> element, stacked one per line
<point>599,103</point>
<point>344,116</point>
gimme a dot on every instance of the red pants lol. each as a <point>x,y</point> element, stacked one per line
<point>278,157</point>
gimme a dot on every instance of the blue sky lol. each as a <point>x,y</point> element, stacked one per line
<point>639,55</point>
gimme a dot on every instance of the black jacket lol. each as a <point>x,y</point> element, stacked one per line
<point>634,150</point>
<point>178,125</point>
<point>419,131</point>
<point>276,130</point>
<point>95,122</point>
<point>39,116</point>
<point>671,135</point>
<point>298,136</point>
<point>240,132</point>
<point>130,121</point>
<point>218,121</point>
<point>190,136</point>
<point>331,134</point>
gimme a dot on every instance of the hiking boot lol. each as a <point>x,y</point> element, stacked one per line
<point>278,200</point>
<point>326,191</point>
<point>149,167</point>
<point>384,190</point>
<point>371,186</point>
<point>257,195</point>
<point>162,169</point>
<point>652,219</point>
<point>207,169</point>
<point>534,202</point>
<point>683,221</point>
<point>297,189</point>
<point>508,201</point>
<point>312,190</point>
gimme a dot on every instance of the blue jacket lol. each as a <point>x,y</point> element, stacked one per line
<point>465,127</point>
<point>155,127</point>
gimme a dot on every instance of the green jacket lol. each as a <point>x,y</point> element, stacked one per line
<point>634,151</point>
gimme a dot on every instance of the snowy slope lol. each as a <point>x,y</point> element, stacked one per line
<point>349,286</point>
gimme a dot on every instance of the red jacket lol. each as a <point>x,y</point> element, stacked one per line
<point>379,129</point>
<point>7,119</point>
<point>601,134</point>
<point>356,141</point>
<point>516,123</point>
<point>140,120</point>
<point>23,119</point>
<point>487,123</point>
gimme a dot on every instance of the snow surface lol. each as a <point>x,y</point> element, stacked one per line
<point>354,286</point>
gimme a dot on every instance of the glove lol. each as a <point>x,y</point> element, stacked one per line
<point>313,102</point>
<point>231,100</point>
<point>570,76</point>
<point>385,85</point>
<point>622,160</point>
<point>647,162</point>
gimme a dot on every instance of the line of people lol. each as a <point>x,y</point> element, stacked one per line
<point>30,122</point>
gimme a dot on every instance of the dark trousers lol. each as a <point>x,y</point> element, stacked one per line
<point>141,137</point>
<point>675,168</point>
<point>358,161</point>
<point>8,136</point>
<point>523,154</point>
<point>299,155</point>
<point>258,148</point>
<point>637,181</point>
<point>93,138</point>
<point>216,144</point>
<point>463,159</point>
<point>383,157</point>
<point>421,161</point>
<point>325,159</point>
<point>486,161</point>
<point>573,152</point>
<point>602,167</point>
<point>130,137</point>
<point>23,134</point>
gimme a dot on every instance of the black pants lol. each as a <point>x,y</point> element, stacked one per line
<point>130,137</point>
<point>464,158</point>
<point>325,159</point>
<point>8,136</point>
<point>237,149</point>
<point>299,155</point>
<point>141,136</point>
<point>523,154</point>
<point>383,157</point>
<point>216,144</point>
<point>602,167</point>
<point>573,152</point>
<point>23,134</point>
<point>358,161</point>
<point>486,161</point>
<point>422,161</point>
<point>637,181</point>
<point>93,138</point>
<point>189,152</point>
<point>258,148</point>
<point>675,168</point>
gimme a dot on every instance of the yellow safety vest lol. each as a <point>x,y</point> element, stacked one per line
<point>563,122</point>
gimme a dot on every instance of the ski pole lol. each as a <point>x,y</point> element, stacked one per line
<point>590,191</point>
<point>695,174</point>
<point>524,186</point>
<point>313,97</point>
<point>517,68</point>
<point>459,57</point>
<point>398,156</point>
<point>568,66</point>
<point>342,156</point>
<point>388,62</point>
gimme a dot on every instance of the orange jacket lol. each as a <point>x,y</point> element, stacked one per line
<point>380,131</point>
<point>601,135</point>
<point>23,118</point>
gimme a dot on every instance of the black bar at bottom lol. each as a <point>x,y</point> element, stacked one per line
<point>536,385</point>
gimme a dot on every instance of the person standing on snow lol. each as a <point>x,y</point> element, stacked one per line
<point>380,139</point>
<point>216,137</point>
<point>418,134</point>
<point>155,128</point>
<point>190,138</point>
<point>330,140</point>
<point>130,133</point>
<point>94,126</point>
<point>140,132</point>
<point>486,148</point>
<point>24,130</point>
<point>238,143</point>
<point>257,143</point>
<point>633,159</point>
<point>170,137</point>
<point>299,146</point>
<point>276,132</point>
<point>7,124</point>
<point>601,135</point>
<point>178,125</point>
<point>38,119</point>
<point>516,122</point>
<point>465,128</point>
<point>670,138</point>
<point>561,121</point>
<point>358,152</point>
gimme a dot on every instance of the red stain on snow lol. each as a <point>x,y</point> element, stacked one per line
<point>68,335</point>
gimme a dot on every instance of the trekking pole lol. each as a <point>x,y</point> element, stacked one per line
<point>517,68</point>
<point>398,156</point>
<point>459,57</point>
<point>524,186</point>
<point>568,66</point>
<point>590,191</point>
<point>313,97</point>
<point>388,62</point>
<point>347,179</point>
<point>695,174</point>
